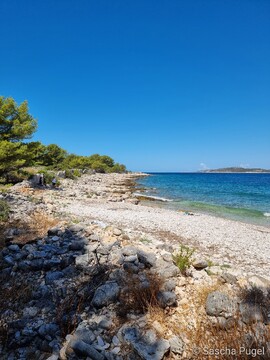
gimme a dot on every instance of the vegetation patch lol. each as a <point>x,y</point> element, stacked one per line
<point>35,226</point>
<point>17,125</point>
<point>183,258</point>
<point>139,296</point>
<point>4,210</point>
<point>145,240</point>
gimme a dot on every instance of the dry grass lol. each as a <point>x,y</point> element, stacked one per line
<point>137,296</point>
<point>234,341</point>
<point>69,308</point>
<point>15,293</point>
<point>16,289</point>
<point>35,227</point>
<point>238,342</point>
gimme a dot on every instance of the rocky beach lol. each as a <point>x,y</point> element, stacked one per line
<point>89,271</point>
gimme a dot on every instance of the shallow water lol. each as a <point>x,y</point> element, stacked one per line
<point>244,197</point>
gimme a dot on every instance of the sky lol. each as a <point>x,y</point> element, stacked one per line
<point>167,85</point>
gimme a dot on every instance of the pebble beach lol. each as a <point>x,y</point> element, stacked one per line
<point>223,241</point>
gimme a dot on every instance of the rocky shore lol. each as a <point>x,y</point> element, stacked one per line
<point>88,272</point>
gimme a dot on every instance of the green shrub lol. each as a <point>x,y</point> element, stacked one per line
<point>69,174</point>
<point>4,210</point>
<point>183,259</point>
<point>77,173</point>
<point>99,166</point>
<point>4,188</point>
<point>145,240</point>
<point>48,177</point>
<point>16,176</point>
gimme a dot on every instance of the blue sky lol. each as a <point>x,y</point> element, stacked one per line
<point>158,85</point>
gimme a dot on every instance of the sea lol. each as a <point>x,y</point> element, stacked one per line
<point>238,196</point>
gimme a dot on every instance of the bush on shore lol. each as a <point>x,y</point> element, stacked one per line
<point>183,259</point>
<point>4,210</point>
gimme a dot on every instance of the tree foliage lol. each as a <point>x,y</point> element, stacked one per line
<point>99,163</point>
<point>13,156</point>
<point>35,150</point>
<point>53,155</point>
<point>16,123</point>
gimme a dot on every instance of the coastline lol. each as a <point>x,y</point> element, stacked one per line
<point>229,198</point>
<point>101,249</point>
<point>223,241</point>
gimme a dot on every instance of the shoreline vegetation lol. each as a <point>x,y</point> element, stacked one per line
<point>21,158</point>
<point>92,271</point>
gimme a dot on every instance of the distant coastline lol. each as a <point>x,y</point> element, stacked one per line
<point>238,170</point>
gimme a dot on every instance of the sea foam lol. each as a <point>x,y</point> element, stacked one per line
<point>153,197</point>
<point>266,214</point>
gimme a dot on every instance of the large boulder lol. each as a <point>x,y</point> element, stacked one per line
<point>165,269</point>
<point>231,276</point>
<point>148,259</point>
<point>166,298</point>
<point>219,304</point>
<point>106,294</point>
<point>259,282</point>
<point>147,345</point>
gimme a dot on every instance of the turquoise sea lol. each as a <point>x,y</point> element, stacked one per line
<point>244,197</point>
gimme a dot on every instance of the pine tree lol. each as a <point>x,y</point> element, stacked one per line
<point>16,124</point>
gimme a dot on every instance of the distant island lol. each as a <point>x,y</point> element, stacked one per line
<point>236,170</point>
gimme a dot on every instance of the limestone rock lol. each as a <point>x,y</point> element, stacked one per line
<point>83,349</point>
<point>219,304</point>
<point>53,276</point>
<point>231,276</point>
<point>76,228</point>
<point>54,231</point>
<point>84,335</point>
<point>166,269</point>
<point>177,345</point>
<point>82,261</point>
<point>259,282</point>
<point>14,247</point>
<point>200,264</point>
<point>148,259</point>
<point>77,245</point>
<point>117,232</point>
<point>48,329</point>
<point>166,298</point>
<point>30,312</point>
<point>147,345</point>
<point>106,294</point>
